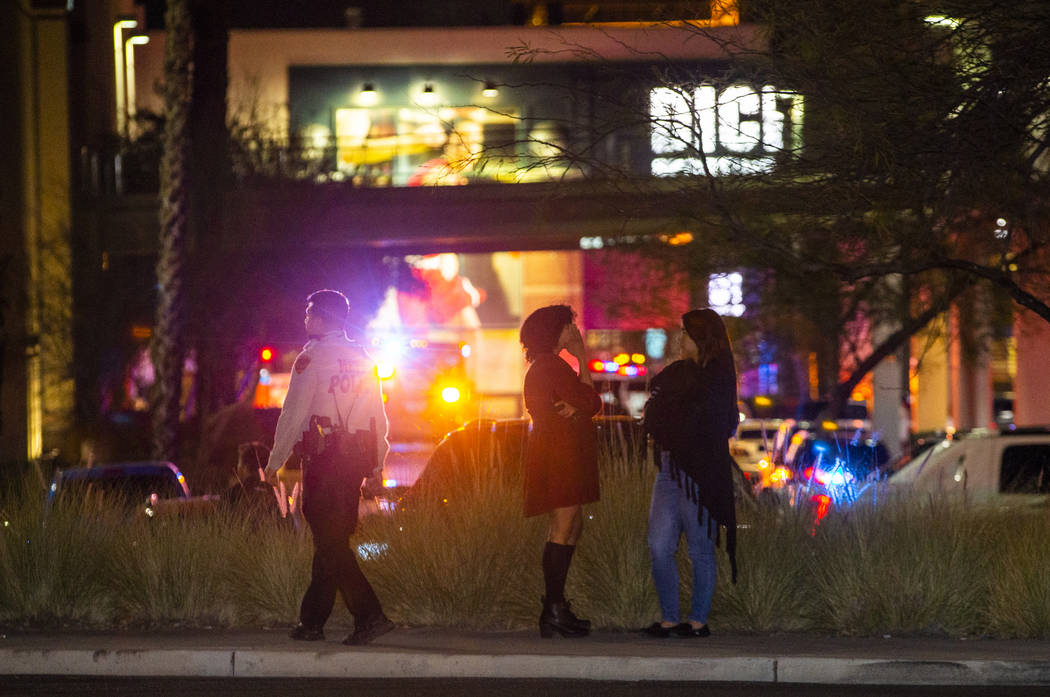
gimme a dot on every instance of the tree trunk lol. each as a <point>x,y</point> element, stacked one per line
<point>169,335</point>
<point>210,155</point>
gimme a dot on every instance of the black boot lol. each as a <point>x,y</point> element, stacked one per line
<point>579,622</point>
<point>557,617</point>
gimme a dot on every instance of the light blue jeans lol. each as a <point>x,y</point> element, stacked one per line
<point>670,514</point>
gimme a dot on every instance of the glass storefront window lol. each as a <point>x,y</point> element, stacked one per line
<point>425,147</point>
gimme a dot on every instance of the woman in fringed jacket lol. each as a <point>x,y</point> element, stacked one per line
<point>691,416</point>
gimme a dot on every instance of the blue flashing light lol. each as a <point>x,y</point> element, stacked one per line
<point>611,366</point>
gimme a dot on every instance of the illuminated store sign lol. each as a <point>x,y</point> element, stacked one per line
<point>735,130</point>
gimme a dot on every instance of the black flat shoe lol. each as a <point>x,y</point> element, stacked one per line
<point>657,630</point>
<point>687,630</point>
<point>370,630</point>
<point>303,633</point>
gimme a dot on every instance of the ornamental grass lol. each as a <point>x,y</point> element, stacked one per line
<point>457,552</point>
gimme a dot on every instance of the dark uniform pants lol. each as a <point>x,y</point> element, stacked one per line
<point>330,499</point>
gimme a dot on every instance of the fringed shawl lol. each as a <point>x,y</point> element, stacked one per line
<point>692,413</point>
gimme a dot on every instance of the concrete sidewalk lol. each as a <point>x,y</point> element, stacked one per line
<point>448,653</point>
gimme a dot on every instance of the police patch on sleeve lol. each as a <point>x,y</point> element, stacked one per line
<point>301,363</point>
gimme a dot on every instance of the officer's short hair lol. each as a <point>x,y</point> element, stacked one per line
<point>331,304</point>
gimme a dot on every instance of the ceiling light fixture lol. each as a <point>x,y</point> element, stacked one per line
<point>428,96</point>
<point>368,95</point>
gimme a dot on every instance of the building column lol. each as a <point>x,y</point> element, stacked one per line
<point>887,397</point>
<point>889,380</point>
<point>1032,381</point>
<point>971,384</point>
<point>41,125</point>
<point>930,404</point>
<point>13,378</point>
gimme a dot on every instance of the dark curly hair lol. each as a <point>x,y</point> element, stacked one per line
<point>541,329</point>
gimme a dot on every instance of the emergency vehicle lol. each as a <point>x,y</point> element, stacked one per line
<point>622,381</point>
<point>425,386</point>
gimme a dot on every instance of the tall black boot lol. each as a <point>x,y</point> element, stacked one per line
<point>556,562</point>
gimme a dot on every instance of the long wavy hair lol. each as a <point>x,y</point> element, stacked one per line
<point>708,332</point>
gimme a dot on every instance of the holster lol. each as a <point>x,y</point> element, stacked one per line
<point>355,451</point>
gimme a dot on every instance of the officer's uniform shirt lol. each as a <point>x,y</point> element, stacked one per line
<point>334,377</point>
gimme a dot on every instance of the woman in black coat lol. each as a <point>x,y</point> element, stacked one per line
<point>691,416</point>
<point>561,459</point>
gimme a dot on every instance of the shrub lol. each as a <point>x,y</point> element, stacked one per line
<point>459,553</point>
<point>902,568</point>
<point>55,570</point>
<point>1018,599</point>
<point>462,556</point>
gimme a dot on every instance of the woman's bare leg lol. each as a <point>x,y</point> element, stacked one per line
<point>566,525</point>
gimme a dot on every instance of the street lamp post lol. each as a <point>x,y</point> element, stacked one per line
<point>129,65</point>
<point>119,26</point>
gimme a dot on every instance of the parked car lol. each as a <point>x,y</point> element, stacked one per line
<point>752,446</point>
<point>496,448</point>
<point>1009,466</point>
<point>148,482</point>
<point>825,465</point>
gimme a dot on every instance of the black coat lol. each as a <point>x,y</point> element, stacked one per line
<point>693,413</point>
<point>561,458</point>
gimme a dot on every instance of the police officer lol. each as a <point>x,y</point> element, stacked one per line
<point>333,415</point>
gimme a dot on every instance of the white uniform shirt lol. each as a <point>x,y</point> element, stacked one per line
<point>332,377</point>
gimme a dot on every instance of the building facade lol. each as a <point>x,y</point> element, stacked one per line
<point>448,152</point>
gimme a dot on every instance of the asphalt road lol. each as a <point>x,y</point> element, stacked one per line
<point>32,686</point>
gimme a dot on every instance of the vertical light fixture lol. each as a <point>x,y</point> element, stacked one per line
<point>129,76</point>
<point>119,26</point>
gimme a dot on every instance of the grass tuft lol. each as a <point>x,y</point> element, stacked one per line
<point>1018,600</point>
<point>774,554</point>
<point>459,553</point>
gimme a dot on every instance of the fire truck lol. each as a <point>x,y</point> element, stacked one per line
<point>426,390</point>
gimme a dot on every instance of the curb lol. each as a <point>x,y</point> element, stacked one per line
<point>369,663</point>
<point>853,671</point>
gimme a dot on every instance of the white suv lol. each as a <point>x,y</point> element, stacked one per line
<point>984,466</point>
